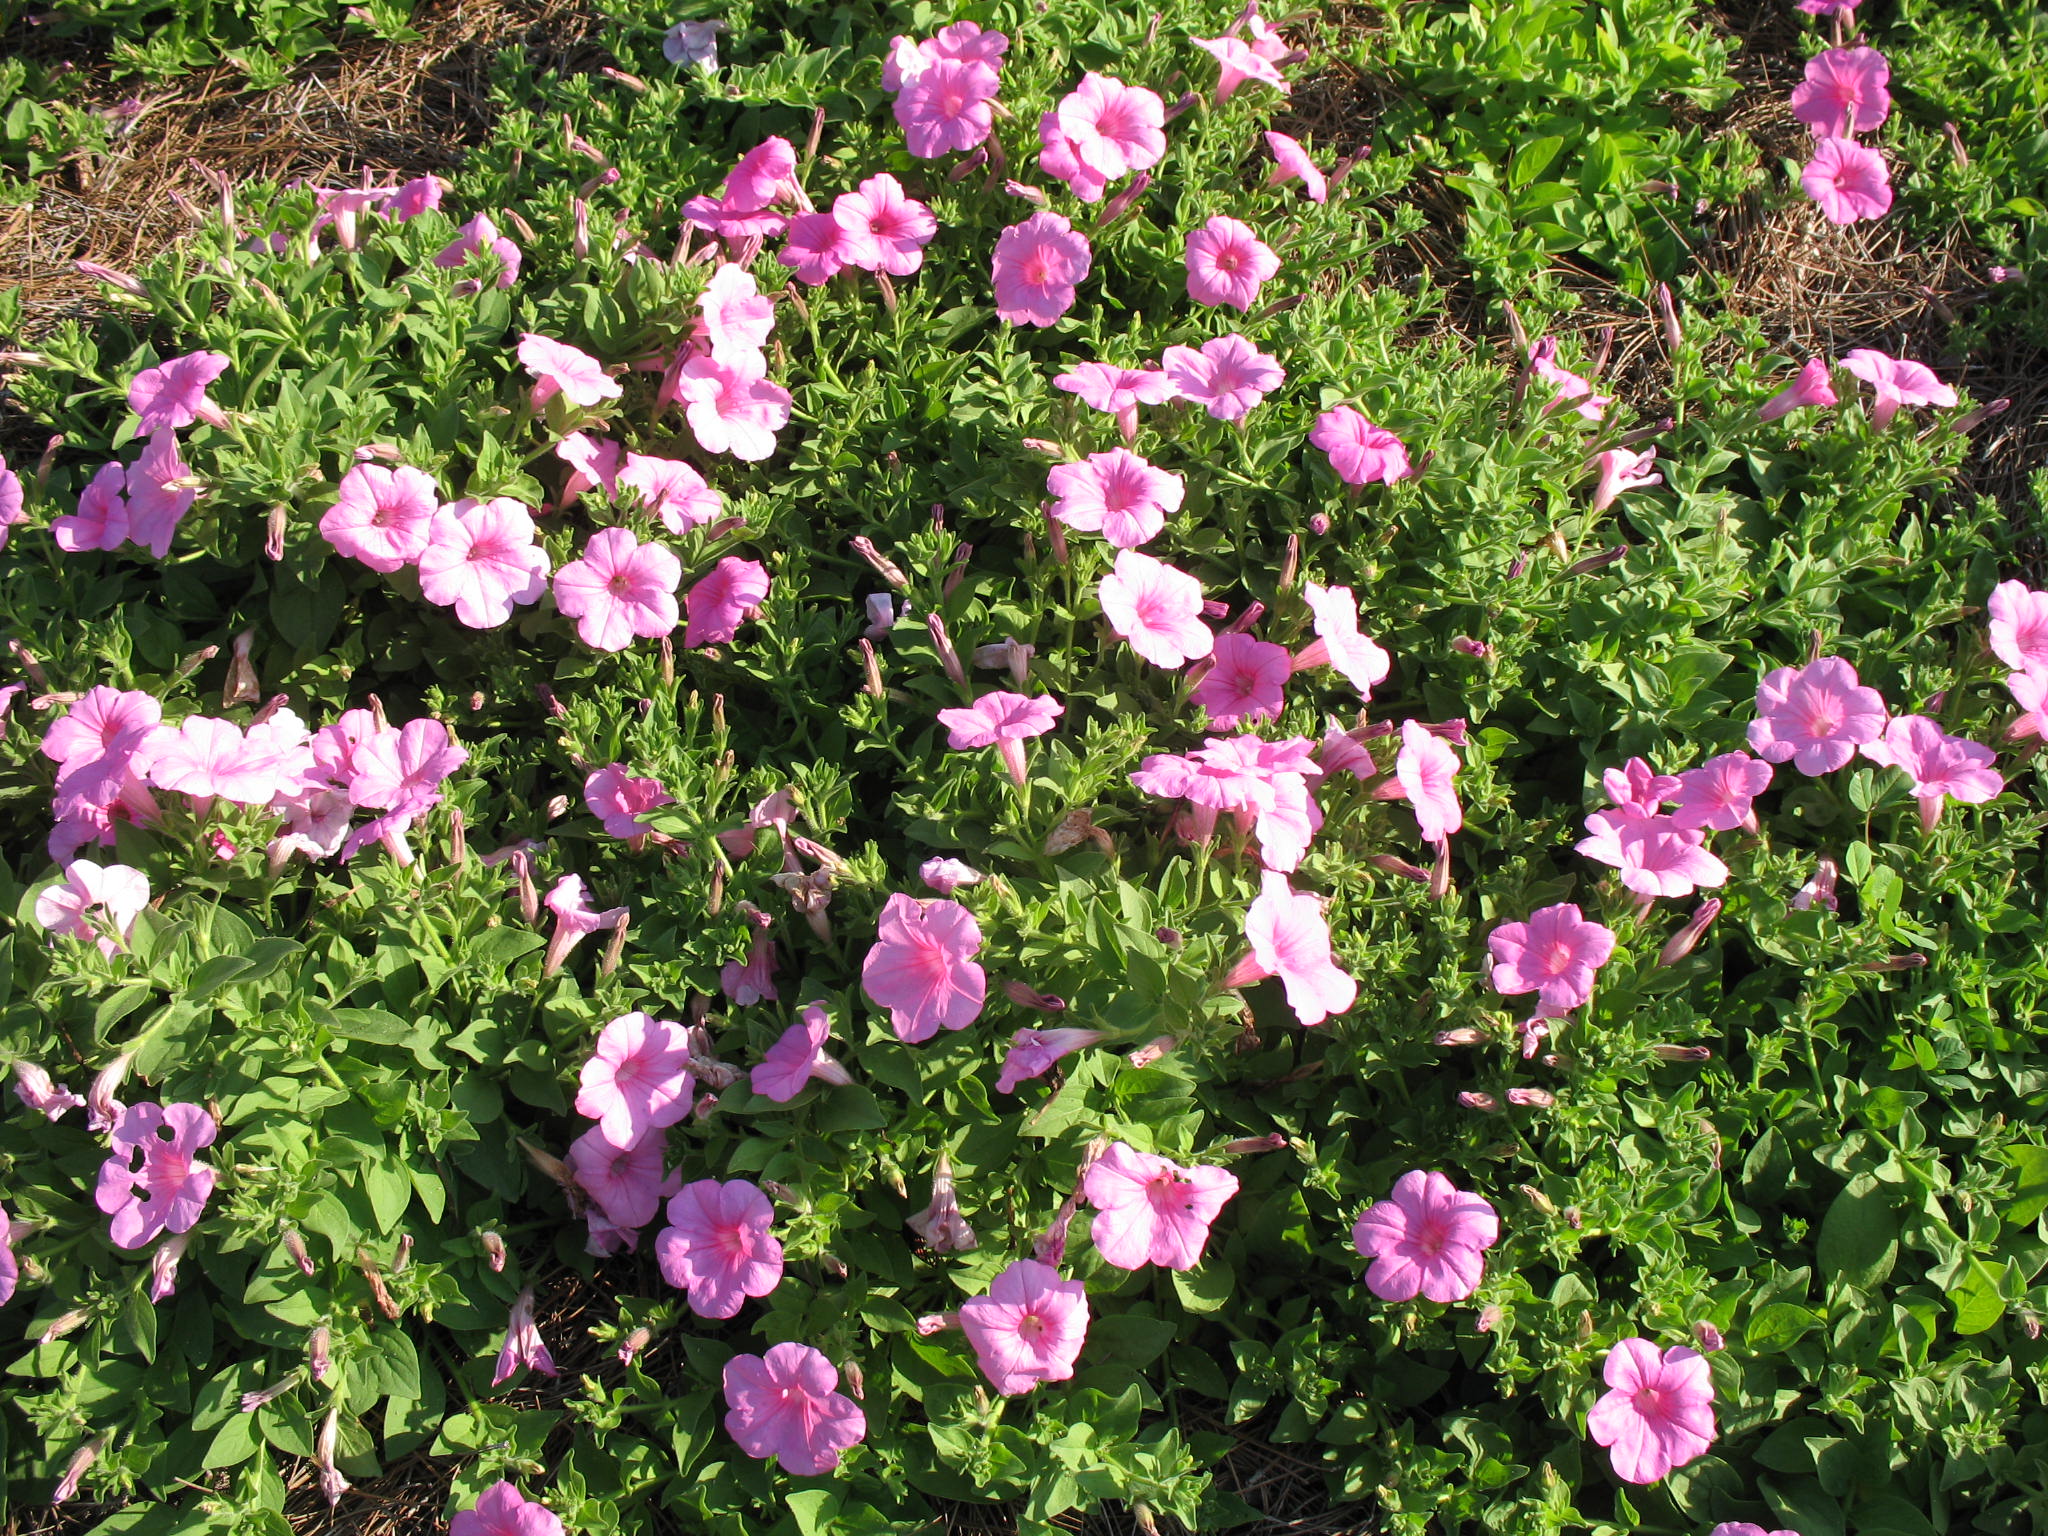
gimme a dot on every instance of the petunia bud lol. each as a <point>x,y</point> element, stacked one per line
<point>113,277</point>
<point>1489,1319</point>
<point>949,658</point>
<point>1485,1103</point>
<point>1464,1034</point>
<point>1152,1050</point>
<point>1955,146</point>
<point>1681,1052</point>
<point>615,947</point>
<point>1820,887</point>
<point>379,1292</point>
<point>1668,313</point>
<point>1246,1145</point>
<point>63,1323</point>
<point>1319,523</point>
<point>251,1401</point>
<point>969,166</point>
<point>101,1107</point>
<point>1056,535</point>
<point>871,669</point>
<point>1189,100</point>
<point>163,1265</point>
<point>554,1168</point>
<point>1470,647</point>
<point>81,1460</point>
<point>1970,420</point>
<point>631,82</point>
<point>1388,863</point>
<point>1031,195</point>
<point>1123,202</point>
<point>884,566</point>
<point>1681,943</point>
<point>318,1360</point>
<point>633,1343</point>
<point>1542,1202</point>
<point>1025,997</point>
<point>1911,961</point>
<point>1708,1337</point>
<point>1597,562</point>
<point>937,1322</point>
<point>332,1484</point>
<point>296,1247</point>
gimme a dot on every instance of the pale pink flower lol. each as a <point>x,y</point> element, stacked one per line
<point>158,499</point>
<point>1655,855</point>
<point>737,318</point>
<point>733,409</point>
<point>1843,92</point>
<point>167,1189</point>
<point>1227,263</point>
<point>1942,767</point>
<point>1150,1210</point>
<point>1360,452</point>
<point>948,106</point>
<point>1245,681</point>
<point>2030,691</point>
<point>561,369</point>
<point>818,248</point>
<point>1848,181</point>
<point>204,757</point>
<point>1896,381</point>
<point>1572,389</point>
<point>717,1246</point>
<point>1339,643</point>
<point>10,1268</point>
<point>1033,1052</point>
<point>1059,159</point>
<point>1115,128</point>
<point>2019,627</point>
<point>797,1056</point>
<point>481,560</point>
<point>1290,938</point>
<point>1004,721</point>
<point>1028,1328</point>
<point>637,1078</point>
<point>501,1510</point>
<point>480,234</point>
<point>1427,1238</point>
<point>672,490</point>
<point>720,601</point>
<point>1815,716</point>
<point>1811,387</point>
<point>1240,62</point>
<point>619,589</point>
<point>173,393</point>
<point>886,228</point>
<point>922,968</point>
<point>591,461</point>
<point>12,511</point>
<point>782,1404</point>
<point>1038,264</point>
<point>1157,608</point>
<point>568,900</point>
<point>115,890</point>
<point>1117,494</point>
<point>1119,391</point>
<point>1425,767</point>
<point>101,521</point>
<point>1554,954</point>
<point>1718,793</point>
<point>523,1348</point>
<point>765,174</point>
<point>1622,469</point>
<point>95,741</point>
<point>1659,1413</point>
<point>625,1181</point>
<point>403,770</point>
<point>1291,163</point>
<point>1226,377</point>
<point>382,516</point>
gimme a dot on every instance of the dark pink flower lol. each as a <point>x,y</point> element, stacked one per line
<point>797,1056</point>
<point>886,228</point>
<point>619,800</point>
<point>1896,381</point>
<point>1246,680</point>
<point>782,1404</point>
<point>152,1183</point>
<point>1815,716</point>
<point>382,517</point>
<point>1942,767</point>
<point>1719,792</point>
<point>1655,855</point>
<point>1659,1413</point>
<point>948,106</point>
<point>1427,1238</point>
<point>1554,954</point>
<point>1034,1051</point>
<point>101,521</point>
<point>2019,627</point>
<point>480,234</point>
<point>1059,159</point>
<point>922,968</point>
<point>1291,163</point>
<point>1623,469</point>
<point>1117,494</point>
<point>1848,181</point>
<point>717,1246</point>
<point>1572,389</point>
<point>501,1510</point>
<point>1228,263</point>
<point>1226,377</point>
<point>624,1181</point>
<point>1150,1210</point>
<point>173,393</point>
<point>1029,1327</point>
<point>1425,767</point>
<point>1843,92</point>
<point>765,174</point>
<point>1038,265</point>
<point>619,589</point>
<point>720,601</point>
<point>402,770</point>
<point>1811,387</point>
<point>1360,452</point>
<point>1114,128</point>
<point>818,248</point>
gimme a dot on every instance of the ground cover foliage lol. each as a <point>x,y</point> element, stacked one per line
<point>1809,1136</point>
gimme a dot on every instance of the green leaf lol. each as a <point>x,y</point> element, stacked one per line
<point>1205,1289</point>
<point>1859,1236</point>
<point>1779,1326</point>
<point>1976,1299</point>
<point>2030,1195</point>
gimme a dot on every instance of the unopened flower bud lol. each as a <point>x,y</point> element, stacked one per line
<point>1532,1098</point>
<point>633,1343</point>
<point>1170,937</point>
<point>1585,1326</point>
<point>1681,943</point>
<point>949,658</point>
<point>1911,961</point>
<point>1820,887</point>
<point>1031,195</point>
<point>1681,1052</point>
<point>1390,864</point>
<point>1464,1034</point>
<point>1026,997</point>
<point>295,1245</point>
<point>886,568</point>
<point>318,1359</point>
<point>1708,1337</point>
<point>1668,313</point>
<point>113,277</point>
<point>630,82</point>
<point>332,1484</point>
<point>101,1107</point>
<point>1271,1142</point>
<point>81,1459</point>
<point>1152,1050</point>
<point>871,669</point>
<point>1319,523</point>
<point>1485,1103</point>
<point>251,1401</point>
<point>1124,201</point>
<point>937,1322</point>
<point>1597,562</point>
<point>1470,647</point>
<point>1489,1319</point>
<point>63,1323</point>
<point>970,165</point>
<point>1955,145</point>
<point>1056,535</point>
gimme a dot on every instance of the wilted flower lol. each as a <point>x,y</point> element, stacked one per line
<point>523,1347</point>
<point>153,1182</point>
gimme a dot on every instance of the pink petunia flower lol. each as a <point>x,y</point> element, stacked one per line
<point>561,369</point>
<point>1157,608</point>
<point>1554,954</point>
<point>10,1267</point>
<point>1745,1528</point>
<point>13,512</point>
<point>173,393</point>
<point>1811,387</point>
<point>733,409</point>
<point>1659,1413</point>
<point>1291,163</point>
<point>735,225</point>
<point>1828,7</point>
<point>1360,452</point>
<point>382,516</point>
<point>480,234</point>
<point>151,1184</point>
<point>523,1348</point>
<point>592,462</point>
<point>922,968</point>
<point>1338,643</point>
<point>1246,680</point>
<point>1622,469</point>
<point>948,106</point>
<point>403,770</point>
<point>1038,264</point>
<point>637,1078</point>
<point>1033,1053</point>
<point>1029,1327</point>
<point>720,601</point>
<point>1290,939</point>
<point>1849,181</point>
<point>1228,263</point>
<point>1114,128</point>
<point>886,228</point>
<point>1942,767</point>
<point>1427,1238</point>
<point>481,560</point>
<point>1718,793</point>
<point>619,589</point>
<point>1119,391</point>
<point>1117,494</point>
<point>736,318</point>
<point>101,521</point>
<point>158,497</point>
<point>115,890</point>
<point>717,1247</point>
<point>1572,389</point>
<point>818,248</point>
<point>1150,1210</point>
<point>1896,381</point>
<point>1425,767</point>
<point>1226,377</point>
<point>625,1181</point>
<point>204,757</point>
<point>1843,93</point>
<point>1004,721</point>
<point>1059,159</point>
<point>568,902</point>
<point>2030,692</point>
<point>1815,716</point>
<point>672,490</point>
<point>1656,856</point>
<point>2019,627</point>
<point>782,1404</point>
<point>764,175</point>
<point>501,1510</point>
<point>1238,63</point>
<point>98,737</point>
<point>797,1057</point>
<point>619,800</point>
